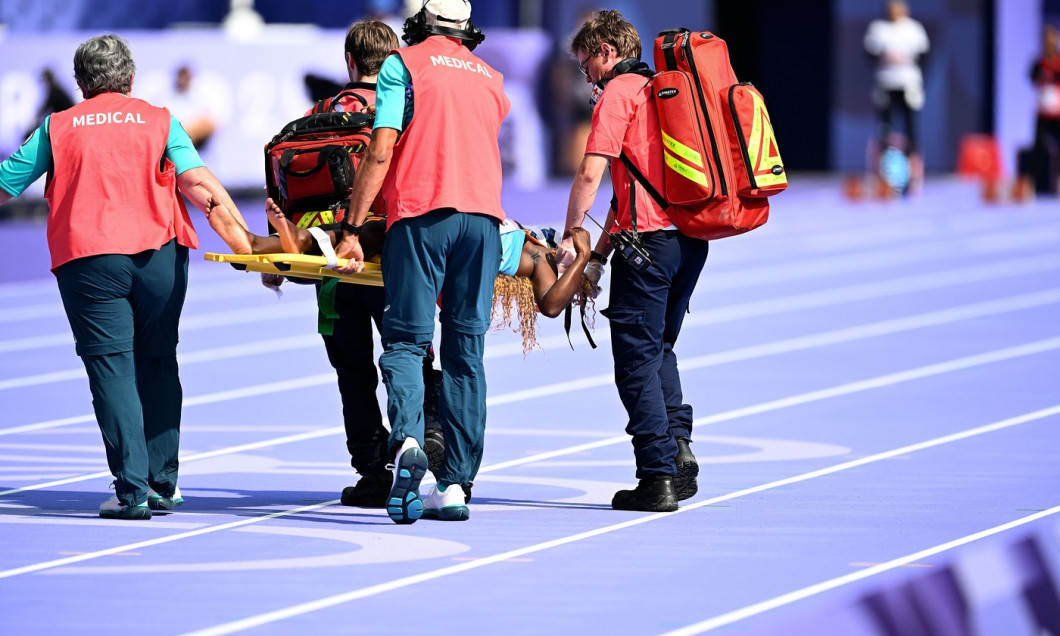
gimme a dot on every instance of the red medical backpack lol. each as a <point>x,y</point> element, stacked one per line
<point>311,162</point>
<point>720,153</point>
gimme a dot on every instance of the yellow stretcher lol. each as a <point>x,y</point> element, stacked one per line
<point>300,265</point>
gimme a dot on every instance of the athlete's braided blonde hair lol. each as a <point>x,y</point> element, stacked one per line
<point>517,292</point>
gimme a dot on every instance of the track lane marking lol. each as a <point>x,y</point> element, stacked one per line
<point>339,599</point>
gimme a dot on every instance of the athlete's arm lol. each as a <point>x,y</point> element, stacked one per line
<point>551,293</point>
<point>582,195</point>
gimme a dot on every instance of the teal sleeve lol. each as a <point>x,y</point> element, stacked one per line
<point>30,161</point>
<point>179,148</point>
<point>393,95</point>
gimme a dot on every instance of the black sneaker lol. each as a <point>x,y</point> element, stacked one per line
<point>652,494</point>
<point>685,483</point>
<point>434,446</point>
<point>370,491</point>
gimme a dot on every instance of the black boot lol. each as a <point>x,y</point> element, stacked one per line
<point>434,446</point>
<point>652,494</point>
<point>370,491</point>
<point>685,483</point>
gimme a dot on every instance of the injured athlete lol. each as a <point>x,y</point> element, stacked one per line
<point>527,274</point>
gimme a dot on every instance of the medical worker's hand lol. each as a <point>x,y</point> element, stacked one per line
<point>350,247</point>
<point>594,271</point>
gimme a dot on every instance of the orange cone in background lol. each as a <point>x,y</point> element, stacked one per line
<point>992,190</point>
<point>854,187</point>
<point>883,189</point>
<point>1023,190</point>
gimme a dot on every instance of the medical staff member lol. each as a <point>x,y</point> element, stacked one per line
<point>119,236</point>
<point>348,337</point>
<point>435,99</point>
<point>646,306</point>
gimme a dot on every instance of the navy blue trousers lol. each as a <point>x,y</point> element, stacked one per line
<point>645,313</point>
<point>124,311</point>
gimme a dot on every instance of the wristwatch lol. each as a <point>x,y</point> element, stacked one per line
<point>597,256</point>
<point>349,228</point>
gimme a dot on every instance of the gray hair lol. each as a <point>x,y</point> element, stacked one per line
<point>104,64</point>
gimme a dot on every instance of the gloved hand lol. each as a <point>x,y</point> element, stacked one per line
<point>273,282</point>
<point>565,254</point>
<point>594,271</point>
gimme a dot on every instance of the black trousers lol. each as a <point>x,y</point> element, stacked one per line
<point>351,351</point>
<point>896,106</point>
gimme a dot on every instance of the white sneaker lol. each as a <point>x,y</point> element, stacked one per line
<point>445,504</point>
<point>114,509</point>
<point>156,501</point>
<point>404,505</point>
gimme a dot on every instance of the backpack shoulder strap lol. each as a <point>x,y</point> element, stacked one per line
<point>643,181</point>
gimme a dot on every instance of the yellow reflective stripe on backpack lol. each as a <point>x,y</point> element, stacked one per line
<point>685,170</point>
<point>762,148</point>
<point>682,150</point>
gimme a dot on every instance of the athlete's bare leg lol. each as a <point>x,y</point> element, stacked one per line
<point>293,239</point>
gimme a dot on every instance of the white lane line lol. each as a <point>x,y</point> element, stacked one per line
<point>833,296</point>
<point>831,584</point>
<point>849,334</point>
<point>890,379</point>
<point>862,291</point>
<point>606,379</point>
<point>304,341</point>
<point>199,293</point>
<point>243,316</point>
<point>37,567</point>
<point>276,441</point>
<point>884,258</point>
<point>209,398</point>
<point>339,599</point>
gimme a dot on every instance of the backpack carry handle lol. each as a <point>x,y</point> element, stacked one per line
<point>335,101</point>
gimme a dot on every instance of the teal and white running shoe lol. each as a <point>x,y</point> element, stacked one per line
<point>445,504</point>
<point>156,501</point>
<point>114,509</point>
<point>404,505</point>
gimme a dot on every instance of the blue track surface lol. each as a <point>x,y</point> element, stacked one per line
<point>875,385</point>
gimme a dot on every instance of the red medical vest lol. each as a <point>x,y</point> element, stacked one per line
<point>448,155</point>
<point>111,190</point>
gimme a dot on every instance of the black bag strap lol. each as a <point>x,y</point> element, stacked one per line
<point>670,37</point>
<point>585,327</point>
<point>636,176</point>
<point>328,105</point>
<point>288,157</point>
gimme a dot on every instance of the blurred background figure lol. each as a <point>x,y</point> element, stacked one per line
<point>1038,166</point>
<point>56,99</point>
<point>897,46</point>
<point>568,97</point>
<point>191,107</point>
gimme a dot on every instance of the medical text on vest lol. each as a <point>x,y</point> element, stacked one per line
<point>94,119</point>
<point>445,60</point>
